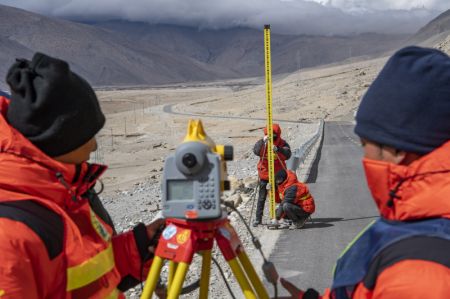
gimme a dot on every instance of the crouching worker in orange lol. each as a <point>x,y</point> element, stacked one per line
<point>404,125</point>
<point>296,204</point>
<point>56,238</point>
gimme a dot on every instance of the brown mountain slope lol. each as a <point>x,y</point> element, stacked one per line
<point>434,32</point>
<point>99,55</point>
<point>241,49</point>
<point>125,53</point>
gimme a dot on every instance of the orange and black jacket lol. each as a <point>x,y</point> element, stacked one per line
<point>280,157</point>
<point>414,202</point>
<point>56,239</point>
<point>294,191</point>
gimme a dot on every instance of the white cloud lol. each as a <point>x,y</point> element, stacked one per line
<point>381,5</point>
<point>288,16</point>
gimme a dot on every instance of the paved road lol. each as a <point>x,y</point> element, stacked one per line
<point>169,109</point>
<point>306,257</point>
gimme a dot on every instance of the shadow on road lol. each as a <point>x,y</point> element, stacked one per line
<point>316,225</point>
<point>327,222</point>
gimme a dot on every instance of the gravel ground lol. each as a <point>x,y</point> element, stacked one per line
<point>142,202</point>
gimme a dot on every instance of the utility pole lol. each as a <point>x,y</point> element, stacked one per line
<point>299,60</point>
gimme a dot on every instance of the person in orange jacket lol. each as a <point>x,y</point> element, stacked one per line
<point>282,152</point>
<point>296,203</point>
<point>56,238</point>
<point>404,125</point>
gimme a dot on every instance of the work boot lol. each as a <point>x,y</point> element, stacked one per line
<point>298,224</point>
<point>273,224</point>
<point>284,224</point>
<point>256,223</point>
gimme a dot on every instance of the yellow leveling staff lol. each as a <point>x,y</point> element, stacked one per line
<point>269,120</point>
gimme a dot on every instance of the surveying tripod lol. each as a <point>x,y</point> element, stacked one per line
<point>179,242</point>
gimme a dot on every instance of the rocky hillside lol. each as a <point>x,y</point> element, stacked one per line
<point>445,45</point>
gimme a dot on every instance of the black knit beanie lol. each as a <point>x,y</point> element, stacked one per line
<point>280,176</point>
<point>408,105</point>
<point>54,108</point>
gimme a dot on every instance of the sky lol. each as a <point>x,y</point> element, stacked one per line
<point>326,17</point>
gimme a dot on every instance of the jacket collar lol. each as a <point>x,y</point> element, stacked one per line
<point>26,172</point>
<point>416,191</point>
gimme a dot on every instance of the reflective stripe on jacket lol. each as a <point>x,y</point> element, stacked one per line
<point>388,242</point>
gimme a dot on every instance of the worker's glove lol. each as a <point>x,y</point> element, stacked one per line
<point>268,187</point>
<point>275,148</point>
<point>154,231</point>
<point>265,139</point>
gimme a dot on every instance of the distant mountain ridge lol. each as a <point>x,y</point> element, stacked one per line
<point>241,51</point>
<point>435,31</point>
<point>101,56</point>
<point>121,53</point>
<point>439,25</point>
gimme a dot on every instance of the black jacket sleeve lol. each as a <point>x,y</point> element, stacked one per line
<point>258,146</point>
<point>290,194</point>
<point>285,150</point>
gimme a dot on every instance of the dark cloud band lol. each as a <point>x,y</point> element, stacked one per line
<point>286,16</point>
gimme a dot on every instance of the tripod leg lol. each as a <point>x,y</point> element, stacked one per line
<point>241,279</point>
<point>252,275</point>
<point>152,278</point>
<point>172,270</point>
<point>177,283</point>
<point>206,270</point>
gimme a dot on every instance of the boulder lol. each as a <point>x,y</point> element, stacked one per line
<point>245,198</point>
<point>234,199</point>
<point>235,184</point>
<point>250,182</point>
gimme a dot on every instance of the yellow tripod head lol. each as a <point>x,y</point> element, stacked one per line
<point>196,133</point>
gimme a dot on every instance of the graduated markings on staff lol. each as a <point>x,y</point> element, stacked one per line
<point>270,155</point>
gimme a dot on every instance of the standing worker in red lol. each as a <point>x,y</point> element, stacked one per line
<point>404,125</point>
<point>56,238</point>
<point>296,203</point>
<point>282,152</point>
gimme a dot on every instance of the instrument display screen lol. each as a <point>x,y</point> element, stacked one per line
<point>180,190</point>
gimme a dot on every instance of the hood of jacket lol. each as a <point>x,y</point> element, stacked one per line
<point>276,131</point>
<point>411,192</point>
<point>290,180</point>
<point>28,173</point>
